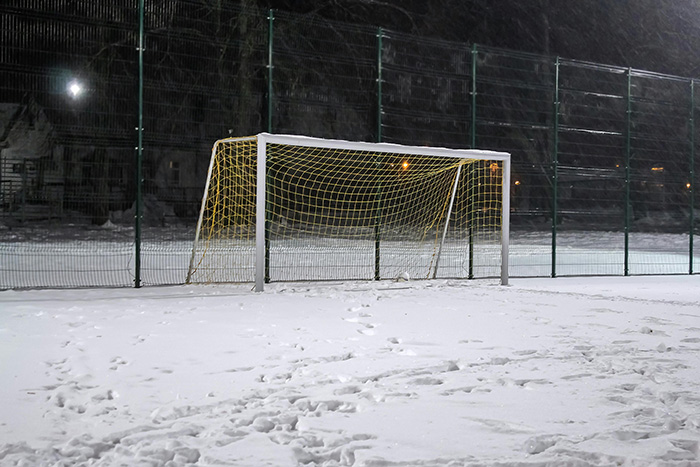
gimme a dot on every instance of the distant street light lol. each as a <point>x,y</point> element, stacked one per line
<point>75,89</point>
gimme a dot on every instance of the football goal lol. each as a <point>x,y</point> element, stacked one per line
<point>294,208</point>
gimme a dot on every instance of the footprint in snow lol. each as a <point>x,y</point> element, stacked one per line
<point>139,339</point>
<point>116,363</point>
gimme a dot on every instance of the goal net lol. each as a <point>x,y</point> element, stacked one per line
<point>293,208</point>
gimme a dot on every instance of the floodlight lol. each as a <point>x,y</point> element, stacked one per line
<point>75,89</point>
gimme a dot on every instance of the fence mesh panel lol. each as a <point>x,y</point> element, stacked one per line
<point>591,167</point>
<point>66,142</point>
<point>660,147</point>
<point>514,112</point>
<point>425,98</point>
<point>323,78</point>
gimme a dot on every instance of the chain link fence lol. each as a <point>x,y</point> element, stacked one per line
<point>603,157</point>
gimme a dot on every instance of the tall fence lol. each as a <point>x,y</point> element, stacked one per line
<point>603,157</point>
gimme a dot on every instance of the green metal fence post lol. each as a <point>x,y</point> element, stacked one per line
<point>270,36</point>
<point>380,37</point>
<point>691,187</point>
<point>377,222</point>
<point>472,136</point>
<point>628,181</point>
<point>472,144</point>
<point>139,160</point>
<point>555,169</point>
<point>270,41</point>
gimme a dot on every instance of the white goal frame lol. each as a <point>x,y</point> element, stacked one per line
<point>263,139</point>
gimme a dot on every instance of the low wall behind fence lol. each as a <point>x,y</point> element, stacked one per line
<point>100,188</point>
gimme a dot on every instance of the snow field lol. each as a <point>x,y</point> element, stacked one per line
<point>568,371</point>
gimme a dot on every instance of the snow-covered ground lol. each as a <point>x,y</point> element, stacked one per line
<point>567,371</point>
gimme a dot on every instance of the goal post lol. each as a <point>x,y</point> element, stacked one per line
<point>296,208</point>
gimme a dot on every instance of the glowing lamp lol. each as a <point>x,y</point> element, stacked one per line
<point>75,89</point>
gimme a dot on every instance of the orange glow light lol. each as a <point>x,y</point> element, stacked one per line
<point>405,165</point>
